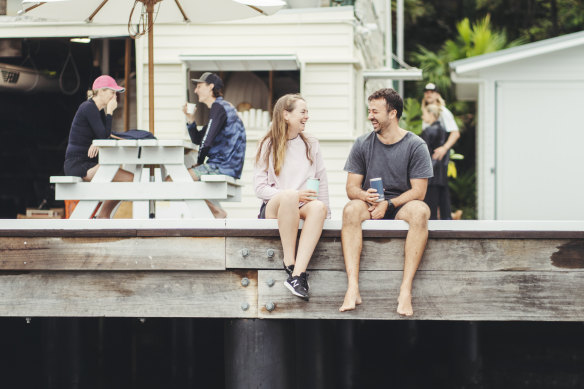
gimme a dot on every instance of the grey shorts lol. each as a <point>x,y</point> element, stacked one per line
<point>206,169</point>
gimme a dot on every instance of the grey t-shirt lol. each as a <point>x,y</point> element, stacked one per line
<point>396,164</point>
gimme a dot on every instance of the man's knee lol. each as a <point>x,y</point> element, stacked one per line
<point>416,214</point>
<point>353,211</point>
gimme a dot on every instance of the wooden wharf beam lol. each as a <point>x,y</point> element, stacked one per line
<point>471,270</point>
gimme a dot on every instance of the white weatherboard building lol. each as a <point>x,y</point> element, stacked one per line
<point>530,129</point>
<point>326,51</point>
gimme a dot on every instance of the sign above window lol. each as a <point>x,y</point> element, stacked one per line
<point>234,63</point>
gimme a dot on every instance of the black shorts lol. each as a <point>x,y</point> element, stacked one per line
<point>391,212</point>
<point>78,167</point>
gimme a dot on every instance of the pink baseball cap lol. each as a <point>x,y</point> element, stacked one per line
<point>106,82</point>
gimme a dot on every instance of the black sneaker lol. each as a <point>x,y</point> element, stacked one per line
<point>289,269</point>
<point>304,281</point>
<point>296,285</point>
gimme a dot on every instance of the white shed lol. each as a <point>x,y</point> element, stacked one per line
<point>529,130</point>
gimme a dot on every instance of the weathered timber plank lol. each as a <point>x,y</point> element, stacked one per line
<point>528,296</point>
<point>128,294</point>
<point>116,253</point>
<point>440,254</point>
<point>442,229</point>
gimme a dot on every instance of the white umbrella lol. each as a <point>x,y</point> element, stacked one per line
<point>141,15</point>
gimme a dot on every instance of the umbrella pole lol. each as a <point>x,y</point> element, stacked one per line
<point>150,11</point>
<point>127,60</point>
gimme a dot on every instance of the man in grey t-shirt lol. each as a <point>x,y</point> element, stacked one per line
<point>403,162</point>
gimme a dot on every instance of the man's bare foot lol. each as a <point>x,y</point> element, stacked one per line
<point>352,298</point>
<point>404,304</point>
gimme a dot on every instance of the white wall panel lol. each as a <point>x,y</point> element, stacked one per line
<point>539,150</point>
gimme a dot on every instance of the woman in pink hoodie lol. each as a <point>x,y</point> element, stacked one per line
<point>285,161</point>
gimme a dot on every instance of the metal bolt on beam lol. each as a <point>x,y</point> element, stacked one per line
<point>142,320</point>
<point>244,252</point>
<point>270,282</point>
<point>270,306</point>
<point>244,281</point>
<point>244,306</point>
<point>270,253</point>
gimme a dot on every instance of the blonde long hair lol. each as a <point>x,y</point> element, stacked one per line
<point>277,135</point>
<point>434,109</point>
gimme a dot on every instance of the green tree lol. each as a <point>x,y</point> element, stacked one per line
<point>471,40</point>
<point>535,19</point>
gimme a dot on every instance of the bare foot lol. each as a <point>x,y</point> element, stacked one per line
<point>404,304</point>
<point>352,298</point>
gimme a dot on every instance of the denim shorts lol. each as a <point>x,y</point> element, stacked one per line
<point>206,169</point>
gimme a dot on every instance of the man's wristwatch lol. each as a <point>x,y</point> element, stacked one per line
<point>390,206</point>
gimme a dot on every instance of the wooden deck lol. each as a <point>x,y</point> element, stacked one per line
<point>471,270</point>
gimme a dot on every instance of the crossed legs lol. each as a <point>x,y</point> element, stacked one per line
<point>416,214</point>
<point>284,207</point>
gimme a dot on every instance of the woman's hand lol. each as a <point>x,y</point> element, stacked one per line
<point>307,195</point>
<point>92,152</point>
<point>111,105</point>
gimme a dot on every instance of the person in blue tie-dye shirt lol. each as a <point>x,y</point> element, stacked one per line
<point>222,141</point>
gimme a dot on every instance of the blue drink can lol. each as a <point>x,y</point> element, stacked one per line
<point>377,184</point>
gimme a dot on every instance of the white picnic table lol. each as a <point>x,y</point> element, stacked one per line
<point>167,158</point>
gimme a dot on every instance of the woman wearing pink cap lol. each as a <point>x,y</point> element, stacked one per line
<point>93,120</point>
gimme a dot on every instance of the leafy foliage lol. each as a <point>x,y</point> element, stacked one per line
<point>463,192</point>
<point>411,119</point>
<point>441,32</point>
<point>535,19</point>
<point>472,39</point>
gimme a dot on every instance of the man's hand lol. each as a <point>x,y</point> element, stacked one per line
<point>306,196</point>
<point>370,196</point>
<point>92,152</point>
<point>439,153</point>
<point>189,116</point>
<point>377,210</point>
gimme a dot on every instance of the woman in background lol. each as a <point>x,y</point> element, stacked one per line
<point>437,194</point>
<point>286,159</point>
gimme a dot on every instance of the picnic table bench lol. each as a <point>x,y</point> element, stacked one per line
<point>167,157</point>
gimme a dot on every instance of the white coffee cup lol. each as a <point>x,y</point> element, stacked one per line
<point>191,108</point>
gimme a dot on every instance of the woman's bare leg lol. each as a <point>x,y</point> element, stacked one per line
<point>284,207</point>
<point>313,214</point>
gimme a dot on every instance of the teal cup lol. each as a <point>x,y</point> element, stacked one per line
<point>313,184</point>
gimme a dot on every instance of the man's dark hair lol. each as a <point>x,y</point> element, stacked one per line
<point>392,99</point>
